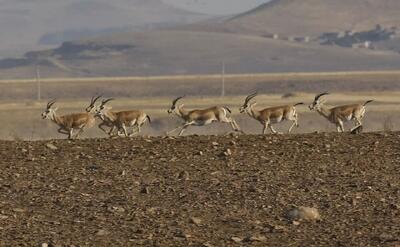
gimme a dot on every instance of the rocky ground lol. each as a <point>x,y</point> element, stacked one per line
<point>201,191</point>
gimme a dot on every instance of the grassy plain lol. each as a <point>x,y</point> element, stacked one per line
<point>20,112</point>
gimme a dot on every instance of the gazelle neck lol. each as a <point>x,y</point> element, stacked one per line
<point>252,112</point>
<point>324,111</point>
<point>181,112</point>
<point>56,119</point>
<point>110,115</point>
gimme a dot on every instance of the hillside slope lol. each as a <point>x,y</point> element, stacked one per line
<point>311,17</point>
<point>25,22</point>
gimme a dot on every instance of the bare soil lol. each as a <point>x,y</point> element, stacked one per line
<point>193,191</point>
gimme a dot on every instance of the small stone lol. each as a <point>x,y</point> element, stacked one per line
<point>258,238</point>
<point>45,245</point>
<point>304,213</point>
<point>200,153</point>
<point>227,152</point>
<point>19,210</point>
<point>196,221</point>
<point>237,239</point>
<point>214,143</point>
<point>51,146</point>
<point>327,146</point>
<point>207,245</point>
<point>102,233</point>
<point>296,223</point>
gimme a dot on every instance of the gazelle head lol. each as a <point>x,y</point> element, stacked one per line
<point>246,104</point>
<point>318,102</point>
<point>100,109</point>
<point>173,107</point>
<point>49,112</point>
<point>92,106</point>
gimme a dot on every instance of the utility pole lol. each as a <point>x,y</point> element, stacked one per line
<point>39,96</point>
<point>223,80</point>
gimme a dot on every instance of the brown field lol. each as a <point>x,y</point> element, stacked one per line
<point>187,192</point>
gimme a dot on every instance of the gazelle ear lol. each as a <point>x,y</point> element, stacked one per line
<point>182,105</point>
<point>55,109</point>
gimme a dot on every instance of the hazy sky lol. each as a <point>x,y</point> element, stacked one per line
<point>219,7</point>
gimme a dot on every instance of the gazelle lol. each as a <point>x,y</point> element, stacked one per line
<point>271,115</point>
<point>70,122</point>
<point>95,108</point>
<point>340,114</point>
<point>201,117</point>
<point>121,119</point>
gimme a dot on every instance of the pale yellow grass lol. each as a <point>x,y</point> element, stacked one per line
<point>231,77</point>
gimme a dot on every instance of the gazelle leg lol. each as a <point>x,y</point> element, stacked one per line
<point>271,128</point>
<point>294,124</point>
<point>341,126</point>
<point>71,131</point>
<point>135,131</point>
<point>184,128</point>
<point>62,131</point>
<point>357,123</point>
<point>264,131</point>
<point>110,133</point>
<point>79,132</point>
<point>181,126</point>
<point>125,130</point>
<point>274,131</point>
<point>236,126</point>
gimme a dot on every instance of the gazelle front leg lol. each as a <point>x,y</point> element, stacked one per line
<point>294,124</point>
<point>264,131</point>
<point>184,128</point>
<point>171,131</point>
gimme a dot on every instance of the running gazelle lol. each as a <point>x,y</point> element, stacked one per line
<point>121,119</point>
<point>69,122</point>
<point>201,117</point>
<point>340,114</point>
<point>271,115</point>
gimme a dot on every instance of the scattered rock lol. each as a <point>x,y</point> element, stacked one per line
<point>196,221</point>
<point>51,146</point>
<point>303,213</point>
<point>215,143</point>
<point>45,245</point>
<point>227,152</point>
<point>258,238</point>
<point>237,239</point>
<point>102,232</point>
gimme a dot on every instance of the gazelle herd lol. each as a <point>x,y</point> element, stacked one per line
<point>122,120</point>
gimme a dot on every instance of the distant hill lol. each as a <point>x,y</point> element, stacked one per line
<point>243,42</point>
<point>26,22</point>
<point>313,17</point>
